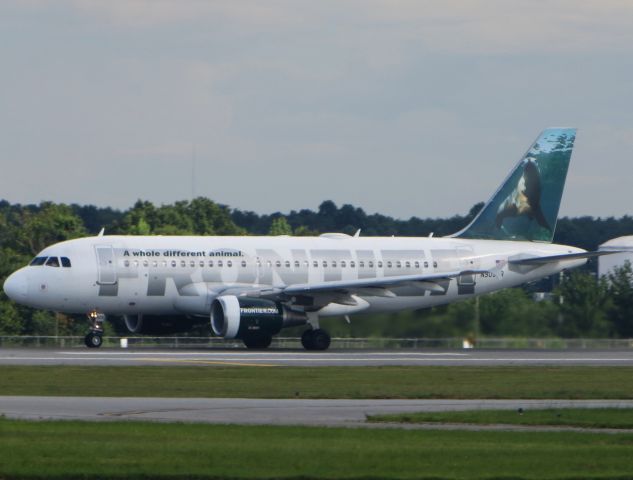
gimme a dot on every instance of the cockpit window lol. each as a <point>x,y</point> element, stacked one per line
<point>52,262</point>
<point>38,261</point>
<point>65,262</point>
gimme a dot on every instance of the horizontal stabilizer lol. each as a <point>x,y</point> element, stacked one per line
<point>557,258</point>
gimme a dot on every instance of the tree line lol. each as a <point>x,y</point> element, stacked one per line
<point>582,305</point>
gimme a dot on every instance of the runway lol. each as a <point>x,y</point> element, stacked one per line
<point>301,358</point>
<point>334,413</point>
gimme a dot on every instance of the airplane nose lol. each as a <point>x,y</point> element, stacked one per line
<point>16,286</point>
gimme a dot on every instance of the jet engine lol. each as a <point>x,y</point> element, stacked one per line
<point>158,324</point>
<point>242,317</point>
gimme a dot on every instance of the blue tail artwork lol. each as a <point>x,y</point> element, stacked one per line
<point>525,207</point>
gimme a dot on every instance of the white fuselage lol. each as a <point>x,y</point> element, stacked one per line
<point>128,275</point>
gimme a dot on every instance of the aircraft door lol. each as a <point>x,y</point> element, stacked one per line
<point>105,265</point>
<point>466,283</point>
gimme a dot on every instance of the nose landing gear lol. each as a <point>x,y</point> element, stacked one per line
<point>94,339</point>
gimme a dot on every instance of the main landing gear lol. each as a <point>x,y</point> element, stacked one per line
<point>257,340</point>
<point>312,339</point>
<point>315,339</point>
<point>94,339</point>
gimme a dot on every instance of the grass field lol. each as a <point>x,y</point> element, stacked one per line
<point>322,382</point>
<point>152,450</point>
<point>575,417</point>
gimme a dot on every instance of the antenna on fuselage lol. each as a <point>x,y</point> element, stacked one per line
<point>101,232</point>
<point>357,234</point>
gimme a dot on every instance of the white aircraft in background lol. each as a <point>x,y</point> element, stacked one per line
<point>252,287</point>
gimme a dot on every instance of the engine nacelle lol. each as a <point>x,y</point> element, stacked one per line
<point>234,317</point>
<point>157,324</point>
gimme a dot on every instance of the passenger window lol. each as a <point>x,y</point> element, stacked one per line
<point>388,264</point>
<point>297,264</point>
<point>136,263</point>
<point>434,264</point>
<point>192,263</point>
<point>352,264</point>
<point>52,262</point>
<point>229,263</point>
<point>417,264</point>
<point>154,263</point>
<point>343,264</point>
<point>287,264</point>
<point>201,263</point>
<point>65,262</point>
<point>278,263</point>
<point>126,263</point>
<point>408,264</point>
<point>306,263</point>
<point>379,264</point>
<point>210,263</point>
<point>361,264</point>
<point>243,263</point>
<point>259,263</point>
<point>183,263</point>
<point>426,264</point>
<point>219,263</point>
<point>334,263</point>
<point>315,263</point>
<point>173,263</point>
<point>398,264</point>
<point>371,264</point>
<point>324,263</point>
<point>145,263</point>
<point>269,264</point>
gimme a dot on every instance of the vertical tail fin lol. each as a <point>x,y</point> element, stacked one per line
<point>525,207</point>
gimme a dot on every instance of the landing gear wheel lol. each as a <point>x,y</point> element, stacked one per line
<point>93,340</point>
<point>320,339</point>
<point>306,340</point>
<point>317,339</point>
<point>259,340</point>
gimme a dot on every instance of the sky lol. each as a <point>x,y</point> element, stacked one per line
<point>406,108</point>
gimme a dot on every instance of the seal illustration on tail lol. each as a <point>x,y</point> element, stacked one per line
<point>525,207</point>
<point>525,199</point>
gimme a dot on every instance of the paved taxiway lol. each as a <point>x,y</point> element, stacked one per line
<point>333,357</point>
<point>256,411</point>
<point>283,412</point>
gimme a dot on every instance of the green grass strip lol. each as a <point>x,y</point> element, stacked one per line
<point>321,382</point>
<point>572,417</point>
<point>152,450</point>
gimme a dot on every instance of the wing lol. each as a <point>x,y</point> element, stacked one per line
<point>380,286</point>
<point>558,258</point>
<point>381,282</point>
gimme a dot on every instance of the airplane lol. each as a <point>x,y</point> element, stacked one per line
<point>251,287</point>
